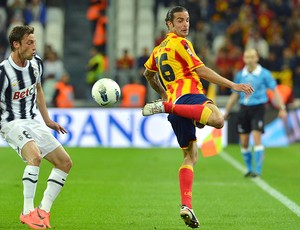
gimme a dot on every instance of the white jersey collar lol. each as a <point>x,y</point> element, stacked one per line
<point>255,72</point>
<point>11,61</point>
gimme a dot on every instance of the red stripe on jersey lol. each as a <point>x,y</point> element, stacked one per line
<point>194,88</point>
<point>195,61</point>
<point>188,75</point>
<point>171,90</point>
<point>184,65</point>
<point>180,84</point>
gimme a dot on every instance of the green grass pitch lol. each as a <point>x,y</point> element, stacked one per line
<point>137,189</point>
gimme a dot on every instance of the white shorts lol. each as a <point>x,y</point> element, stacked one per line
<point>18,132</point>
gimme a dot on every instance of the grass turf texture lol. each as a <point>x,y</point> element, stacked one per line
<point>138,189</point>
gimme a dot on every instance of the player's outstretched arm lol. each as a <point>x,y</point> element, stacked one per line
<point>41,103</point>
<point>213,77</point>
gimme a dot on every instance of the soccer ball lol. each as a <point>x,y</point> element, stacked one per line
<point>106,92</point>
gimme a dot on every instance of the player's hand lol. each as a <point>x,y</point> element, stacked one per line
<point>57,127</point>
<point>282,114</point>
<point>246,88</point>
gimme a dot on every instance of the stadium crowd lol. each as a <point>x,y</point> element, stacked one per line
<point>220,31</point>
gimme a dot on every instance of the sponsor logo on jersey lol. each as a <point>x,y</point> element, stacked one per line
<point>16,83</point>
<point>29,91</point>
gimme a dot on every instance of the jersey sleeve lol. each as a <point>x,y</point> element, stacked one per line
<point>3,82</point>
<point>151,63</point>
<point>270,81</point>
<point>40,68</point>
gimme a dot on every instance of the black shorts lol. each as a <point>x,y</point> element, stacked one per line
<point>251,118</point>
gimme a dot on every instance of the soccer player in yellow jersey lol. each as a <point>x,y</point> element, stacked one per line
<point>178,83</point>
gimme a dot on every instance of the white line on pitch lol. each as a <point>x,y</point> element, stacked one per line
<point>263,185</point>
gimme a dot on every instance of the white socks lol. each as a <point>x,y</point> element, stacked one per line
<point>56,181</point>
<point>30,178</point>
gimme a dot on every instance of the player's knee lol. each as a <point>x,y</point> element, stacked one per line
<point>35,160</point>
<point>217,121</point>
<point>65,165</point>
<point>68,165</point>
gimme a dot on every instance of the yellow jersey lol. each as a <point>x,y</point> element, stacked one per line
<point>175,60</point>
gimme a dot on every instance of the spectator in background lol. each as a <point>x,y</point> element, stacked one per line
<point>35,11</point>
<point>53,65</point>
<point>228,60</point>
<point>64,93</point>
<point>272,62</point>
<point>15,9</point>
<point>125,66</point>
<point>218,20</point>
<point>295,42</point>
<point>281,9</point>
<point>257,42</point>
<point>200,36</point>
<point>140,66</point>
<point>291,25</point>
<point>274,28</point>
<point>194,10</point>
<point>264,17</point>
<point>277,44</point>
<point>133,94</point>
<point>236,33</point>
<point>125,61</point>
<point>96,14</point>
<point>95,69</point>
<point>160,3</point>
<point>49,88</point>
<point>161,37</point>
<point>3,44</point>
<point>288,58</point>
<point>3,16</point>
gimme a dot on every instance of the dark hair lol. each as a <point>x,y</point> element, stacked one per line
<point>170,14</point>
<point>17,33</point>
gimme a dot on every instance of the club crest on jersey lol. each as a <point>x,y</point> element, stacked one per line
<point>188,49</point>
<point>26,92</point>
<point>36,73</point>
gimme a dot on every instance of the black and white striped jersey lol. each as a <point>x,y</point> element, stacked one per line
<point>18,89</point>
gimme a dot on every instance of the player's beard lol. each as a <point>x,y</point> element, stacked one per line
<point>28,56</point>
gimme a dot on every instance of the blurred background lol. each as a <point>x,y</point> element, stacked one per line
<point>83,41</point>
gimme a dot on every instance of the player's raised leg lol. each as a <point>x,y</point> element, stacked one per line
<point>207,114</point>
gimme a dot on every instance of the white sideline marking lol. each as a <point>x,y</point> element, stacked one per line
<point>263,185</point>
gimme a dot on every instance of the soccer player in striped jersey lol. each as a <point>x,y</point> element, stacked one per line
<point>178,83</point>
<point>21,92</point>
